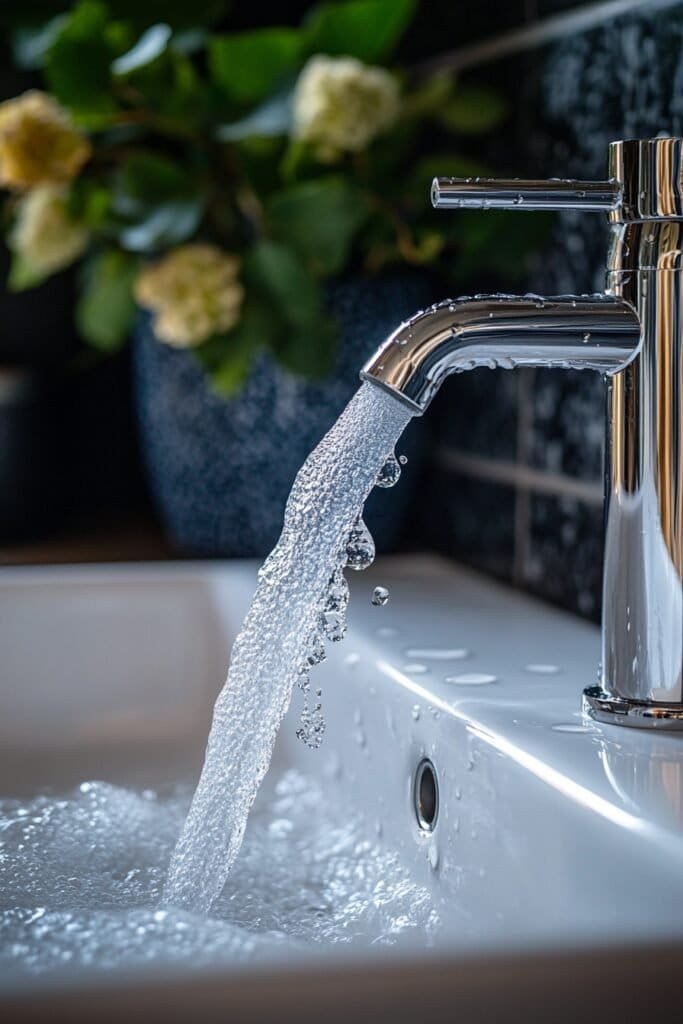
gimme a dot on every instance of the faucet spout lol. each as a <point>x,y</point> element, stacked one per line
<point>595,332</point>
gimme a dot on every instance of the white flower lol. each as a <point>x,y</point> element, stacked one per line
<point>194,293</point>
<point>45,235</point>
<point>341,104</point>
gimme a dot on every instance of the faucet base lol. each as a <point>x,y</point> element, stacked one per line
<point>605,707</point>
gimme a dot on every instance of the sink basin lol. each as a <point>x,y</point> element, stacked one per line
<point>549,848</point>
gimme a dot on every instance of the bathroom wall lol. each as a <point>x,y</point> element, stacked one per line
<point>518,455</point>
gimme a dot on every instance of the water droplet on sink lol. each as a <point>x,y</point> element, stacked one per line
<point>571,727</point>
<point>415,669</point>
<point>437,653</point>
<point>542,668</point>
<point>380,596</point>
<point>472,679</point>
<point>416,712</point>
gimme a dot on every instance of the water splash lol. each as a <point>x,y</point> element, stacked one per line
<point>81,873</point>
<point>277,634</point>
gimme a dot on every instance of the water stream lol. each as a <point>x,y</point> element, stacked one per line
<point>299,604</point>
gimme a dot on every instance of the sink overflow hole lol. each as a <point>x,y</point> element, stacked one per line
<point>426,795</point>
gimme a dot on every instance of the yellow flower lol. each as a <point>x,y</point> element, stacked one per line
<point>194,293</point>
<point>341,104</point>
<point>45,235</point>
<point>38,142</point>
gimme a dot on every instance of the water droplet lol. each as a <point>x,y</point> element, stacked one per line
<point>380,596</point>
<point>518,200</point>
<point>390,472</point>
<point>586,337</point>
<point>360,547</point>
<point>571,727</point>
<point>338,593</point>
<point>403,459</point>
<point>416,712</point>
<point>437,653</point>
<point>415,669</point>
<point>472,679</point>
<point>433,856</point>
<point>334,625</point>
<point>316,653</point>
<point>542,668</point>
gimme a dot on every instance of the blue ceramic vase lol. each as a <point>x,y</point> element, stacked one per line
<point>220,470</point>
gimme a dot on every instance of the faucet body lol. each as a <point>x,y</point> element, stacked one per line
<point>633,333</point>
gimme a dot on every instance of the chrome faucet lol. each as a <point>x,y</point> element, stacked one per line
<point>632,333</point>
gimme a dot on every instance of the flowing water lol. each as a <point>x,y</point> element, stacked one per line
<point>299,604</point>
<point>85,881</point>
<point>81,875</point>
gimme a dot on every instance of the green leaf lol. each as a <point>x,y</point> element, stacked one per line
<point>366,29</point>
<point>319,219</point>
<point>473,111</point>
<point>106,308</point>
<point>270,119</point>
<point>310,352</point>
<point>170,224</point>
<point>30,44</point>
<point>147,179</point>
<point>228,357</point>
<point>158,203</point>
<point>248,65</point>
<point>281,279</point>
<point>77,63</point>
<point>22,275</point>
<point>149,46</point>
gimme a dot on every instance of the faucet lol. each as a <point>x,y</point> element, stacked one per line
<point>633,334</point>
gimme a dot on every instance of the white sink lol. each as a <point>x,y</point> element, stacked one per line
<point>555,864</point>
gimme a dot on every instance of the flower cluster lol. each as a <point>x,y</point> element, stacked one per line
<point>341,105</point>
<point>45,234</point>
<point>38,142</point>
<point>219,178</point>
<point>194,293</point>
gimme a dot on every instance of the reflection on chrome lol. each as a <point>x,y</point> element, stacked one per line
<point>633,333</point>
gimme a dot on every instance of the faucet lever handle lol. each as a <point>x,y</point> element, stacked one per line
<point>513,194</point>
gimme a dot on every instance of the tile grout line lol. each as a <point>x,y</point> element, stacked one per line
<point>522,531</point>
<point>513,475</point>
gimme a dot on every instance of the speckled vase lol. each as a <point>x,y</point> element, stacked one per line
<point>220,470</point>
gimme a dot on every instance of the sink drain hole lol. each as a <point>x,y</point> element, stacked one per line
<point>426,795</point>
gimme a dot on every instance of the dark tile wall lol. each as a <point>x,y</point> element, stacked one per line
<point>519,457</point>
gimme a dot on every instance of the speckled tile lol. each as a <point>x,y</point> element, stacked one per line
<point>568,423</point>
<point>476,413</point>
<point>564,556</point>
<point>473,520</point>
